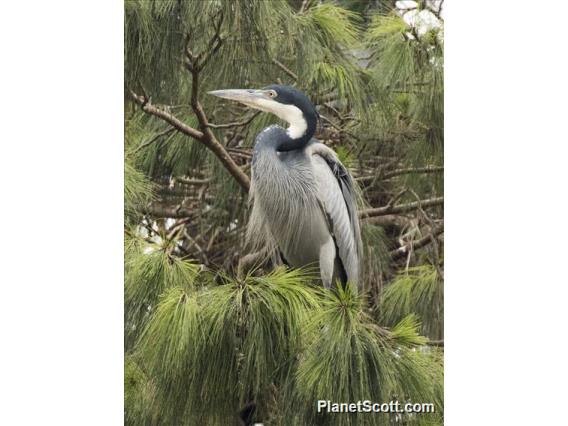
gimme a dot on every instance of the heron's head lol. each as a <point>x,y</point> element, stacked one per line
<point>286,102</point>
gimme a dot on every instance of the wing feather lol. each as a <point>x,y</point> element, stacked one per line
<point>337,196</point>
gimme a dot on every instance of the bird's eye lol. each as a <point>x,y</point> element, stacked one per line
<point>272,93</point>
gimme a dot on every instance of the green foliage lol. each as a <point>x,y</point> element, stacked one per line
<point>150,269</point>
<point>353,359</point>
<point>419,291</point>
<point>333,24</point>
<point>407,74</point>
<point>386,26</point>
<point>138,394</point>
<point>344,156</point>
<point>200,343</point>
<point>395,61</point>
<point>406,332</point>
<point>331,75</point>
<point>138,189</point>
<point>376,259</point>
<point>214,348</point>
<point>210,349</point>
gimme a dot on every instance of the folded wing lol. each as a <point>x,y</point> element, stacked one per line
<point>338,201</point>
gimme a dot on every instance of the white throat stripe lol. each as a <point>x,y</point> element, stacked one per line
<point>289,113</point>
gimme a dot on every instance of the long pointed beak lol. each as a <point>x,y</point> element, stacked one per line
<point>246,96</point>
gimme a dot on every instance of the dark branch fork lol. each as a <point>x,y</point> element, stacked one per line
<point>207,138</point>
<point>194,64</point>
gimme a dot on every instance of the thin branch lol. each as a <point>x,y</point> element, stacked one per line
<point>193,181</point>
<point>336,127</point>
<point>234,124</point>
<point>211,141</point>
<point>414,245</point>
<point>334,110</point>
<point>285,68</point>
<point>435,246</point>
<point>214,45</point>
<point>389,220</point>
<point>157,210</point>
<point>396,198</point>
<point>244,152</point>
<point>168,117</point>
<point>206,138</point>
<point>398,172</point>
<point>402,208</point>
<point>427,169</point>
<point>154,139</point>
<point>331,123</point>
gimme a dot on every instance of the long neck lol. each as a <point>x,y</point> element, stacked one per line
<point>295,138</point>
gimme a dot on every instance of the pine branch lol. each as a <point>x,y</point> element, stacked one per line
<point>194,67</point>
<point>168,117</point>
<point>402,208</point>
<point>207,138</point>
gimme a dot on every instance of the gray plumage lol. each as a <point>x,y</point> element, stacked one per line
<point>306,207</point>
<point>303,199</point>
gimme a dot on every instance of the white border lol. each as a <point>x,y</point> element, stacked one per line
<point>61,215</point>
<point>505,237</point>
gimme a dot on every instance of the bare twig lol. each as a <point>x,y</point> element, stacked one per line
<point>285,68</point>
<point>168,117</point>
<point>402,208</point>
<point>157,210</point>
<point>428,169</point>
<point>435,246</point>
<point>396,198</point>
<point>214,45</point>
<point>416,244</point>
<point>234,124</point>
<point>389,220</point>
<point>154,139</point>
<point>208,138</point>
<point>336,127</point>
<point>193,181</point>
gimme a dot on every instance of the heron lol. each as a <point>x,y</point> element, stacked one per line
<point>303,198</point>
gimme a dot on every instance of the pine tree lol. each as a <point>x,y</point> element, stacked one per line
<point>205,333</point>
